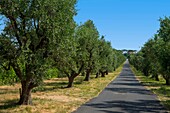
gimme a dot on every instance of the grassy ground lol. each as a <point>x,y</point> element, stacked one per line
<point>52,98</point>
<point>157,87</point>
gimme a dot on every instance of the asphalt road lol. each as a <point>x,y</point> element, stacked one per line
<point>123,95</point>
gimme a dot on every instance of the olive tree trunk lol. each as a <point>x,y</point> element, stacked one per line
<point>103,74</point>
<point>25,94</point>
<point>71,79</point>
<point>87,77</point>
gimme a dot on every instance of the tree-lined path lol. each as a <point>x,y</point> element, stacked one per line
<point>124,95</point>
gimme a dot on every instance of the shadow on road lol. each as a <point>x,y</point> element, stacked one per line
<point>130,107</point>
<point>130,90</point>
<point>124,95</point>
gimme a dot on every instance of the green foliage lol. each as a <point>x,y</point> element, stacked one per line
<point>5,75</point>
<point>78,51</point>
<point>88,39</point>
<point>52,73</point>
<point>83,51</point>
<point>105,55</point>
<point>154,58</point>
<point>31,35</point>
<point>164,48</point>
<point>69,58</point>
<point>119,58</point>
<point>40,40</point>
<point>31,32</point>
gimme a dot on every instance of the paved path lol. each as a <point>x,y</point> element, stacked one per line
<point>123,95</point>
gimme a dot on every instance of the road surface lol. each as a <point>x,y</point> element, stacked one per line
<point>124,95</point>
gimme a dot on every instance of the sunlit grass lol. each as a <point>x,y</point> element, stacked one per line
<point>52,97</point>
<point>157,87</point>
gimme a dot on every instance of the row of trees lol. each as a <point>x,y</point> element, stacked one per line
<point>42,34</point>
<point>154,57</point>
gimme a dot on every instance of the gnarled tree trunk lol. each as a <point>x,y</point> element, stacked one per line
<point>103,74</point>
<point>71,79</point>
<point>156,77</point>
<point>87,77</point>
<point>106,72</point>
<point>27,86</point>
<point>97,75</point>
<point>114,69</point>
<point>25,93</point>
<point>167,79</point>
<point>70,82</point>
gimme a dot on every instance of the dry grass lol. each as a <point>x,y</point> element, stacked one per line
<point>52,97</point>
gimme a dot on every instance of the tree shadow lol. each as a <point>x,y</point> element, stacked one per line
<point>9,104</point>
<point>108,111</point>
<point>129,83</point>
<point>130,90</point>
<point>54,86</point>
<point>147,106</point>
<point>58,84</point>
<point>50,86</point>
<point>167,104</point>
<point>5,90</point>
<point>150,84</point>
<point>163,91</point>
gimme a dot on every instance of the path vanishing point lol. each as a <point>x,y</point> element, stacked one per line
<point>125,94</point>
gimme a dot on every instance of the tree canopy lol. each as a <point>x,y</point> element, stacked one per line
<point>30,35</point>
<point>40,35</point>
<point>154,57</point>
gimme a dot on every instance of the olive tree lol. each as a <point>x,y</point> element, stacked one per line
<point>163,47</point>
<point>105,57</point>
<point>88,38</point>
<point>33,29</point>
<point>154,57</point>
<point>70,59</point>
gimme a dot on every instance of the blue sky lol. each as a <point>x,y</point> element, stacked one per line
<point>127,24</point>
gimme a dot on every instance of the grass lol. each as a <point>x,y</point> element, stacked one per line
<point>52,97</point>
<point>157,87</point>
